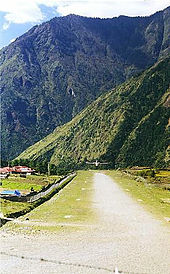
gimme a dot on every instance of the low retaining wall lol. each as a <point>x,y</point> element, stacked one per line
<point>54,187</point>
<point>33,197</point>
<point>39,198</point>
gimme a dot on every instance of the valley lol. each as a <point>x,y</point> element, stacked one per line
<point>85,151</point>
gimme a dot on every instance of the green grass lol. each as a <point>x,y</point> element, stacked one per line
<point>70,206</point>
<point>164,173</point>
<point>65,203</point>
<point>148,195</point>
<point>8,207</point>
<point>25,184</point>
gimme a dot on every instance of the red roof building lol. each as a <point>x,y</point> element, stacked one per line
<point>5,169</point>
<point>17,169</point>
<point>22,169</point>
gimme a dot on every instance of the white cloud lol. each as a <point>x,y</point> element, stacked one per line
<point>111,8</point>
<point>23,11</point>
<point>6,25</point>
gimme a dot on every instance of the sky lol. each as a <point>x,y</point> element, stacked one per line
<point>18,16</point>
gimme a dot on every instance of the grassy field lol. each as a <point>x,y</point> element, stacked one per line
<point>24,185</point>
<point>164,174</point>
<point>70,206</point>
<point>161,177</point>
<point>8,207</point>
<point>153,197</point>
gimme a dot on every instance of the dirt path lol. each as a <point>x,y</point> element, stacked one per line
<point>124,236</point>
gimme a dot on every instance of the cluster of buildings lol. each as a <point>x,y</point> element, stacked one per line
<point>21,170</point>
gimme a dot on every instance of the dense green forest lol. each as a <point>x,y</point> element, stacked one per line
<point>127,126</point>
<point>52,72</point>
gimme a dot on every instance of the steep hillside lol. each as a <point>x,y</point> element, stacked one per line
<point>127,126</point>
<point>52,72</point>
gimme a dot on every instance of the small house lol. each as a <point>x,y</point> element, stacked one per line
<point>22,170</point>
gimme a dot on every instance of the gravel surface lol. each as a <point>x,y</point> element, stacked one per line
<point>125,236</point>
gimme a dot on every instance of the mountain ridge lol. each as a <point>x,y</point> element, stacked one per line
<point>52,72</point>
<point>126,126</point>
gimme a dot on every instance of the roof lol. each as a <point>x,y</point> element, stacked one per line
<point>11,192</point>
<point>22,169</point>
<point>5,169</point>
<point>16,169</point>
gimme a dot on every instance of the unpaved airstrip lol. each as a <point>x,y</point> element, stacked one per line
<point>119,234</point>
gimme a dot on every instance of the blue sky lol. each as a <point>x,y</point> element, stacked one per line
<point>14,30</point>
<point>18,16</point>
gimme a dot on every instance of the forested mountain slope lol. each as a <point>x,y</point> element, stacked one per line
<point>127,126</point>
<point>52,72</point>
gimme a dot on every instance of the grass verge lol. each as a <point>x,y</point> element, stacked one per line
<point>13,209</point>
<point>70,208</point>
<point>153,198</point>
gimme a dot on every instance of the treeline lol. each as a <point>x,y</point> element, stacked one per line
<point>42,166</point>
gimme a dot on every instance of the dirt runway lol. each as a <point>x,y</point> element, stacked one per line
<point>125,236</point>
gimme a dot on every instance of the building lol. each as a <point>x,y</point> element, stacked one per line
<point>16,170</point>
<point>22,170</point>
<point>5,170</point>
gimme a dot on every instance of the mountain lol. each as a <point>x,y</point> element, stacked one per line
<point>127,126</point>
<point>53,71</point>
